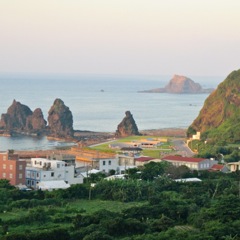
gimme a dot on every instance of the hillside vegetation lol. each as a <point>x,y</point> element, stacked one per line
<point>155,208</point>
<point>219,118</point>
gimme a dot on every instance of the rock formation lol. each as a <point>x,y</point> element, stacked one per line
<point>36,122</point>
<point>127,127</point>
<point>60,120</point>
<point>20,118</point>
<point>181,85</point>
<point>220,115</point>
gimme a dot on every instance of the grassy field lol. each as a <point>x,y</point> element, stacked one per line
<point>74,207</point>
<point>165,147</point>
<point>54,215</point>
<point>91,206</point>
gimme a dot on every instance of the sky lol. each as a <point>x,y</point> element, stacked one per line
<point>140,37</point>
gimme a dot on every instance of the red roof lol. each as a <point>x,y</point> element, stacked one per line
<point>143,159</point>
<point>183,159</point>
<point>217,167</point>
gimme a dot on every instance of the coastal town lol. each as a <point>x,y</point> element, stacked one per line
<point>61,168</point>
<point>119,120</point>
<point>58,169</point>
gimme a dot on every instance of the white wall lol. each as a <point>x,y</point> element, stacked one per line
<point>108,164</point>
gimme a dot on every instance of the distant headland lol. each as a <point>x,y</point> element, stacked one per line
<point>180,85</point>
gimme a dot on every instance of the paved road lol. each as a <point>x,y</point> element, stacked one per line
<point>98,144</point>
<point>182,148</point>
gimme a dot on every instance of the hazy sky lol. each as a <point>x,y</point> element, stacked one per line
<point>189,37</point>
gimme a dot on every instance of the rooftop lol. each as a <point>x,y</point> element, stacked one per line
<point>143,159</point>
<point>217,167</point>
<point>188,180</point>
<point>131,149</point>
<point>183,159</point>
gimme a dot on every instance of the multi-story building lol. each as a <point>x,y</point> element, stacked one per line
<point>12,168</point>
<point>43,171</point>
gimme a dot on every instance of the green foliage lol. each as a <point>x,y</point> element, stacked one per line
<point>56,234</point>
<point>219,118</point>
<point>165,209</point>
<point>4,183</point>
<point>152,170</point>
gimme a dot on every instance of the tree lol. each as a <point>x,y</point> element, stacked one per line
<point>153,170</point>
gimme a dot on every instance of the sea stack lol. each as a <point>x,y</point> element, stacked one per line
<point>181,85</point>
<point>60,120</point>
<point>127,127</point>
<point>20,119</point>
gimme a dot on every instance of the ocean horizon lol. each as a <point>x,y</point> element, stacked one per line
<point>99,102</point>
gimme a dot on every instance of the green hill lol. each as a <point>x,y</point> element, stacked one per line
<point>219,119</point>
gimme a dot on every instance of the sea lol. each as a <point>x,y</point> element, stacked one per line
<point>99,102</point>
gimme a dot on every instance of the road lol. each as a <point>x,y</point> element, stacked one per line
<point>179,144</point>
<point>182,148</point>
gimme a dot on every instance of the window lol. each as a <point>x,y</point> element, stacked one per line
<point>37,175</point>
<point>20,167</point>
<point>4,166</point>
<point>4,175</point>
<point>58,165</point>
<point>11,167</point>
<point>104,163</point>
<point>109,162</point>
<point>20,176</point>
<point>52,174</point>
<point>4,158</point>
<point>10,175</point>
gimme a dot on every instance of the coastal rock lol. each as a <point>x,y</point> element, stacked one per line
<point>127,127</point>
<point>219,117</point>
<point>16,117</point>
<point>60,120</point>
<point>20,118</point>
<point>36,122</point>
<point>181,85</point>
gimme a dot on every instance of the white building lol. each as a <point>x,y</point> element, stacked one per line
<point>42,171</point>
<point>107,164</point>
<point>192,163</point>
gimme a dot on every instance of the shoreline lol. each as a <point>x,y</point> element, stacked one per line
<point>87,138</point>
<point>90,138</point>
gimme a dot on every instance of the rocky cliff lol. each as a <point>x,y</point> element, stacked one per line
<point>219,119</point>
<point>181,85</point>
<point>20,118</point>
<point>36,121</point>
<point>127,127</point>
<point>60,120</point>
